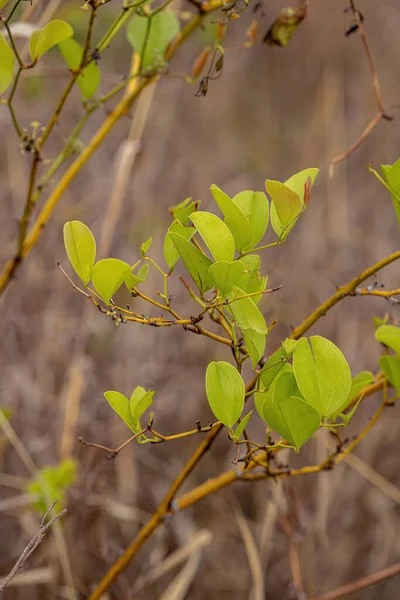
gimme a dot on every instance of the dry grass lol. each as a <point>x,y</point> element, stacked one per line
<point>272,113</point>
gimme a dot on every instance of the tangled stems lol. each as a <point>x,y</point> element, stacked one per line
<point>260,458</point>
<point>122,108</point>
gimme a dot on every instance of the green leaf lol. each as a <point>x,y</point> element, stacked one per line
<point>108,275</point>
<point>293,418</point>
<point>242,426</point>
<point>216,235</point>
<point>132,280</point>
<point>7,60</point>
<point>358,383</point>
<point>182,211</point>
<point>297,182</point>
<point>251,283</point>
<point>322,374</point>
<point>171,254</point>
<point>255,207</point>
<point>89,79</point>
<point>390,365</point>
<point>273,367</point>
<point>225,392</point>
<point>285,209</point>
<point>390,336</point>
<point>392,175</point>
<point>255,344</point>
<point>139,402</point>
<point>289,345</point>
<point>52,34</point>
<point>52,483</point>
<point>235,218</point>
<point>120,404</point>
<point>3,3</point>
<point>145,246</point>
<point>245,312</point>
<point>151,37</point>
<point>225,275</point>
<point>80,246</point>
<point>195,261</point>
<point>348,416</point>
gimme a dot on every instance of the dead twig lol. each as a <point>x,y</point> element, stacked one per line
<point>32,545</point>
<point>359,26</point>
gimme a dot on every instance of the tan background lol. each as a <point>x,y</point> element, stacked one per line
<point>272,113</point>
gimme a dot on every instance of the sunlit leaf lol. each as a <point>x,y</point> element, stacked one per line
<point>108,275</point>
<point>150,37</point>
<point>52,34</point>
<point>235,218</point>
<point>245,312</point>
<point>255,344</point>
<point>225,275</point>
<point>390,365</point>
<point>298,181</point>
<point>133,279</point>
<point>120,404</point>
<point>225,392</point>
<point>80,246</point>
<point>273,367</point>
<point>139,402</point>
<point>216,235</point>
<point>145,247</point>
<point>255,207</point>
<point>285,208</point>
<point>322,374</point>
<point>358,383</point>
<point>7,60</point>
<point>195,261</point>
<point>242,425</point>
<point>171,254</point>
<point>89,79</point>
<point>390,336</point>
<point>182,211</point>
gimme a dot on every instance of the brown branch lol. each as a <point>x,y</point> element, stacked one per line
<point>32,545</point>
<point>360,584</point>
<point>375,84</point>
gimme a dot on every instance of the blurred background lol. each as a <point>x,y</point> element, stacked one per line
<point>273,112</point>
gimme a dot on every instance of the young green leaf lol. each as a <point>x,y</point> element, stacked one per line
<point>358,383</point>
<point>133,279</point>
<point>80,246</point>
<point>390,365</point>
<point>195,261</point>
<point>255,344</point>
<point>145,247</point>
<point>285,209</point>
<point>322,374</point>
<point>52,34</point>
<point>120,404</point>
<point>273,367</point>
<point>139,402</point>
<point>235,218</point>
<point>7,60</point>
<point>225,392</point>
<point>150,37</point>
<point>251,283</point>
<point>242,426</point>
<point>181,212</point>
<point>89,79</point>
<point>225,275</point>
<point>297,182</point>
<point>255,207</point>
<point>293,418</point>
<point>245,312</point>
<point>216,235</point>
<point>390,336</point>
<point>289,345</point>
<point>108,275</point>
<point>171,254</point>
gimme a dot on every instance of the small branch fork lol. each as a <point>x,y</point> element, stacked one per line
<point>359,26</point>
<point>32,545</point>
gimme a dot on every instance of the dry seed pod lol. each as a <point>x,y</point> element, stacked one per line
<point>200,62</point>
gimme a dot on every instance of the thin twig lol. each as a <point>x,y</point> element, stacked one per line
<point>375,84</point>
<point>32,545</point>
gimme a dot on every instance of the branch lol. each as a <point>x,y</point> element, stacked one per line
<point>360,584</point>
<point>375,83</point>
<point>347,290</point>
<point>32,545</point>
